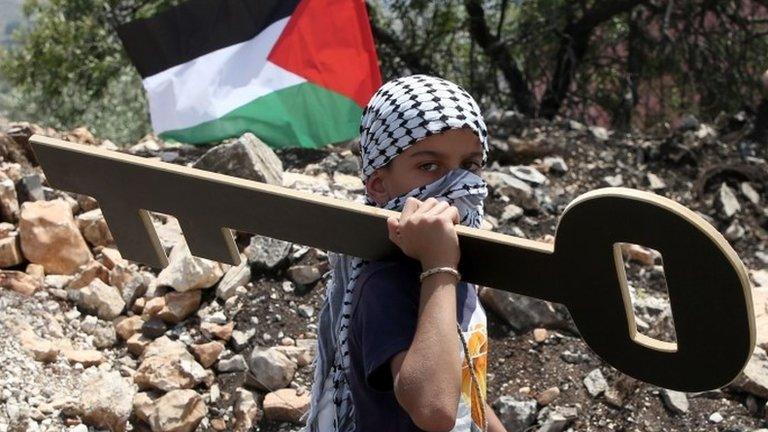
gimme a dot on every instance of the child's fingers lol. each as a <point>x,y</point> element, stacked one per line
<point>410,206</point>
<point>392,227</point>
<point>453,213</point>
<point>427,205</point>
<point>437,208</point>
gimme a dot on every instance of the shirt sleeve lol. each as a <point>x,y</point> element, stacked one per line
<point>387,314</point>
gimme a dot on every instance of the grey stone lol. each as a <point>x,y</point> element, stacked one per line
<point>234,277</point>
<point>574,357</point>
<point>614,181</point>
<point>654,182</point>
<point>676,401</point>
<point>511,212</point>
<point>304,274</point>
<point>108,402</point>
<point>101,299</point>
<point>247,157</point>
<point>748,191</point>
<point>30,188</point>
<point>516,413</point>
<point>727,201</point>
<point>599,132</point>
<point>508,185</point>
<point>595,383</point>
<point>524,313</point>
<point>556,419</point>
<point>235,363</point>
<point>754,378</point>
<point>267,253</point>
<point>555,164</point>
<point>528,174</point>
<point>154,327</point>
<point>186,272</point>
<point>240,338</point>
<point>716,417</point>
<point>269,369</point>
<point>306,311</point>
<point>734,231</point>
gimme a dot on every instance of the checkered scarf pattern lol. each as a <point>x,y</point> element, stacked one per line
<point>402,112</point>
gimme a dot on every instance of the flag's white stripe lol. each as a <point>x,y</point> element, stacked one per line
<point>214,84</point>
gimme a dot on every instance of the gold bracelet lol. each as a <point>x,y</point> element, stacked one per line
<point>432,271</point>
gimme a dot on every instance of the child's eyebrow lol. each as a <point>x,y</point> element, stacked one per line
<point>438,154</point>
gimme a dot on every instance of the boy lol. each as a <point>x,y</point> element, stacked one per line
<point>404,347</point>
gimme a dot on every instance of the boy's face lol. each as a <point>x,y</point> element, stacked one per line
<point>426,161</point>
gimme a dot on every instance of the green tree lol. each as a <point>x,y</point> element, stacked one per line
<point>67,67</point>
<point>631,62</point>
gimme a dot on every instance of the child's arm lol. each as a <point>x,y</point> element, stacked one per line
<point>427,376</point>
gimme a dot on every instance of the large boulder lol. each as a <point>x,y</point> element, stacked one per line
<point>247,157</point>
<point>186,272</point>
<point>524,313</point>
<point>266,253</point>
<point>167,365</point>
<point>179,305</point>
<point>20,282</point>
<point>94,228</point>
<point>50,237</point>
<point>108,401</point>
<point>286,405</point>
<point>270,369</point>
<point>102,300</point>
<point>178,411</point>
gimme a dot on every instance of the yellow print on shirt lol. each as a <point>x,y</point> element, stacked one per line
<point>477,343</point>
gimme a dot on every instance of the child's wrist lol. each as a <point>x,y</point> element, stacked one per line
<point>432,263</point>
<point>434,271</point>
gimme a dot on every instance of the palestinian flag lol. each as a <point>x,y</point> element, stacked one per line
<point>293,72</point>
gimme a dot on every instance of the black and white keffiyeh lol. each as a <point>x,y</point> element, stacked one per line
<point>400,113</point>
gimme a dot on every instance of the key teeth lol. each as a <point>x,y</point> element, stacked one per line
<point>217,244</point>
<point>135,237</point>
<point>158,259</point>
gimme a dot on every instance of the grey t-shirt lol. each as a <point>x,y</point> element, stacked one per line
<point>383,323</point>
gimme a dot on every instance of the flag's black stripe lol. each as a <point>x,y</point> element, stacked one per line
<point>196,27</point>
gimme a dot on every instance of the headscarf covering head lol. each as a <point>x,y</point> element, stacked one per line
<point>400,113</point>
<point>408,109</point>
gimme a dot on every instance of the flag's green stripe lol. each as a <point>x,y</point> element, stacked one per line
<point>304,115</point>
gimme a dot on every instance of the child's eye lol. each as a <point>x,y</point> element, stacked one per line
<point>474,166</point>
<point>427,164</point>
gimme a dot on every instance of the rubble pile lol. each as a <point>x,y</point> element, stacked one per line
<point>95,342</point>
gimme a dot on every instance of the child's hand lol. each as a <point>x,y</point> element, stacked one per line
<point>426,232</point>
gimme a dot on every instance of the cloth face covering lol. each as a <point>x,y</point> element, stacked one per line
<point>399,114</point>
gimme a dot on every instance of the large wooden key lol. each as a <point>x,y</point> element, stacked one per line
<point>708,286</point>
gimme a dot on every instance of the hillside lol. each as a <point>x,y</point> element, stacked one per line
<point>210,347</point>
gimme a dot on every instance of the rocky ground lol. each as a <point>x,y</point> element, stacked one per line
<point>95,342</point>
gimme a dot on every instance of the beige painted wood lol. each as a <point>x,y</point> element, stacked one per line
<point>707,283</point>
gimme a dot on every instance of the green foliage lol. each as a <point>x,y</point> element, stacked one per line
<point>67,67</point>
<point>634,64</point>
<point>646,61</point>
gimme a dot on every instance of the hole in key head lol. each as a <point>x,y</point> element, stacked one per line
<point>640,271</point>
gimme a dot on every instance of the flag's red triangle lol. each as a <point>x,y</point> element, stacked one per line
<point>329,43</point>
